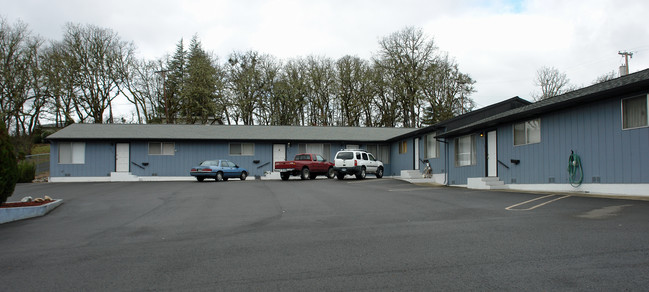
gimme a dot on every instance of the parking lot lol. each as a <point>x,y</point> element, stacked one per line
<point>374,234</point>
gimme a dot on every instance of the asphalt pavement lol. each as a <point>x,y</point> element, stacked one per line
<point>374,234</point>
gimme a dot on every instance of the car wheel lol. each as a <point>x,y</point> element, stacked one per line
<point>243,175</point>
<point>331,173</point>
<point>361,175</point>
<point>219,176</point>
<point>284,175</point>
<point>199,178</point>
<point>340,176</point>
<point>305,173</point>
<point>379,172</point>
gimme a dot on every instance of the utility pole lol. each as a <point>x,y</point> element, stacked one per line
<point>626,62</point>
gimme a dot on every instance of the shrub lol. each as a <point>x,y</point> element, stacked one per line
<point>8,166</point>
<point>26,171</point>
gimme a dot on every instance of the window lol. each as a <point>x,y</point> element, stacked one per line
<point>634,112</point>
<point>382,152</point>
<point>528,132</point>
<point>162,148</point>
<point>72,153</point>
<point>371,157</point>
<point>403,147</point>
<point>432,146</point>
<point>242,149</point>
<point>345,155</point>
<point>365,156</point>
<point>319,158</point>
<point>316,148</point>
<point>465,151</point>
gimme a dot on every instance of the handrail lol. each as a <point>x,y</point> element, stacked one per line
<point>267,163</point>
<point>140,166</point>
<point>503,164</point>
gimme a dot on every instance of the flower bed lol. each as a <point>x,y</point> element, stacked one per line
<point>24,204</point>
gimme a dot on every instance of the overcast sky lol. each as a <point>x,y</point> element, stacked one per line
<point>500,44</point>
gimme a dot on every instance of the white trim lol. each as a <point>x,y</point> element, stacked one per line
<point>622,112</point>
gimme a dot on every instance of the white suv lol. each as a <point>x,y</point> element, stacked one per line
<point>357,162</point>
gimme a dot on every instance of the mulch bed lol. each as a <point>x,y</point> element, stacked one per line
<point>23,204</point>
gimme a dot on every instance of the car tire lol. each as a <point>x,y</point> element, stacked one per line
<point>199,178</point>
<point>362,174</point>
<point>219,176</point>
<point>305,173</point>
<point>331,173</point>
<point>379,172</point>
<point>243,176</point>
<point>285,175</point>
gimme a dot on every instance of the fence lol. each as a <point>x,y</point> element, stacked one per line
<point>42,162</point>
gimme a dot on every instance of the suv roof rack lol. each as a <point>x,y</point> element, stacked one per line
<point>353,150</point>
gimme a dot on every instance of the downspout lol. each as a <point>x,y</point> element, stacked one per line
<point>445,159</point>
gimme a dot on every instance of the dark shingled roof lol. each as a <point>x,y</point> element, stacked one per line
<point>621,86</point>
<point>223,132</point>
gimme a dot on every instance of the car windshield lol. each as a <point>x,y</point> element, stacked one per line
<point>345,155</point>
<point>210,163</point>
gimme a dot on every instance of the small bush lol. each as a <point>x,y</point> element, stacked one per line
<point>26,171</point>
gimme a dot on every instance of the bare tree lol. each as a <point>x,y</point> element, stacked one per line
<point>606,77</point>
<point>97,54</point>
<point>552,83</point>
<point>405,55</point>
<point>21,99</point>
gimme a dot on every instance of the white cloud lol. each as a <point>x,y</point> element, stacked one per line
<point>500,44</point>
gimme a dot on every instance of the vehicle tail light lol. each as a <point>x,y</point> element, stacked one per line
<point>355,162</point>
<point>207,169</point>
<point>193,169</point>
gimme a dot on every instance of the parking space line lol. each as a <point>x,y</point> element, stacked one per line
<point>511,208</point>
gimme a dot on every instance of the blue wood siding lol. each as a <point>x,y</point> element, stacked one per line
<point>402,161</point>
<point>99,161</point>
<point>594,132</point>
<point>457,175</point>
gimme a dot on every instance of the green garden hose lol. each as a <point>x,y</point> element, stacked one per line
<point>575,171</point>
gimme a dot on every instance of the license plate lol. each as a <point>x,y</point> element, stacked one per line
<point>344,169</point>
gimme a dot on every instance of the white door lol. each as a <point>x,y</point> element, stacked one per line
<point>492,154</point>
<point>416,153</point>
<point>279,153</point>
<point>122,157</point>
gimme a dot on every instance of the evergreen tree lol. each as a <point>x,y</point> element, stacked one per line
<point>174,84</point>
<point>8,165</point>
<point>199,98</point>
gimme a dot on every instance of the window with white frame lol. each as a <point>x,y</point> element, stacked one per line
<point>162,148</point>
<point>381,152</point>
<point>316,148</point>
<point>465,150</point>
<point>528,132</point>
<point>242,149</point>
<point>634,112</point>
<point>431,146</point>
<point>72,153</point>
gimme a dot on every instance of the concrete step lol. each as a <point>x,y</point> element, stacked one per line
<point>123,176</point>
<point>486,183</point>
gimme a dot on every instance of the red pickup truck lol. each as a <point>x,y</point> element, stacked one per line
<point>306,165</point>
